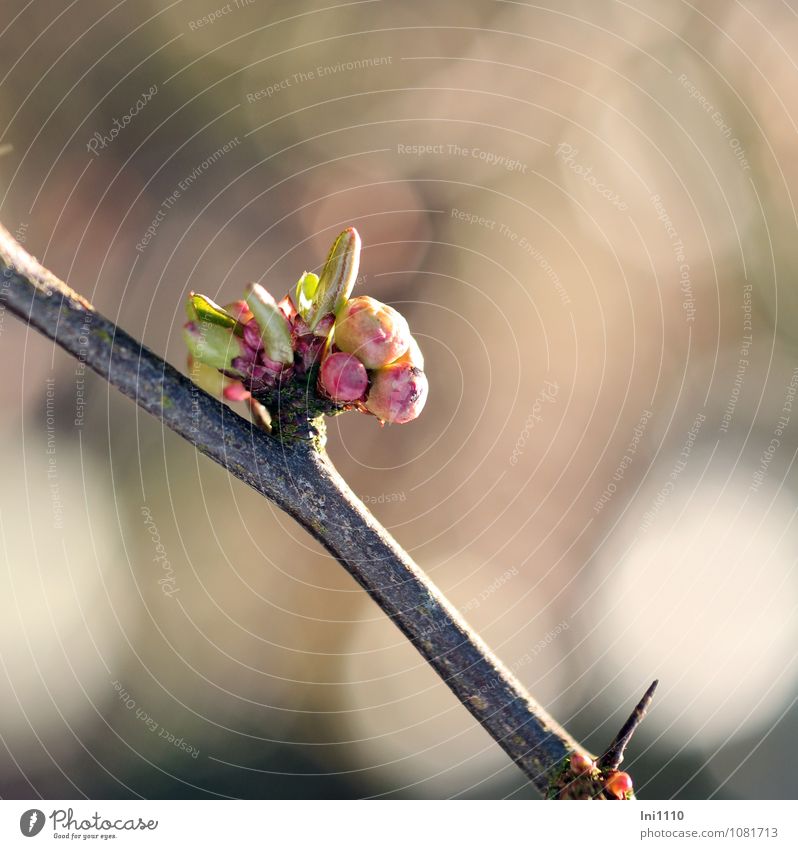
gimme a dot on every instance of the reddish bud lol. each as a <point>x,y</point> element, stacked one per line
<point>287,307</point>
<point>398,393</point>
<point>374,332</point>
<point>580,763</point>
<point>343,377</point>
<point>618,784</point>
<point>306,344</point>
<point>235,391</point>
<point>239,310</point>
<point>324,326</point>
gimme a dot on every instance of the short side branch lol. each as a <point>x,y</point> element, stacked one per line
<point>611,759</point>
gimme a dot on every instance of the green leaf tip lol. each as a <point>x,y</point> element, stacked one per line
<point>306,288</point>
<point>202,309</point>
<point>338,276</point>
<point>275,332</point>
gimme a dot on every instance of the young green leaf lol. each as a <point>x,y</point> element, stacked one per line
<point>275,332</point>
<point>337,277</point>
<point>212,344</point>
<point>202,309</point>
<point>305,290</point>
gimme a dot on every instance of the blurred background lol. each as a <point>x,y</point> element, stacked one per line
<point>586,211</point>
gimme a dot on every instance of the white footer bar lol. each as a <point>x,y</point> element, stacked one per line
<point>398,824</point>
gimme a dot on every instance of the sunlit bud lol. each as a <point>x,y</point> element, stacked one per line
<point>398,393</point>
<point>337,277</point>
<point>213,345</point>
<point>275,331</point>
<point>619,784</point>
<point>343,377</point>
<point>412,355</point>
<point>305,290</point>
<point>374,332</point>
<point>580,763</point>
<point>201,309</point>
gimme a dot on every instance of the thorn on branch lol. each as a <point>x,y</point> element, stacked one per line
<point>612,758</point>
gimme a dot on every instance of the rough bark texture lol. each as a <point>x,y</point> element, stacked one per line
<point>303,482</point>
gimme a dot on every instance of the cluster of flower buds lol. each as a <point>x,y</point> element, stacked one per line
<point>584,779</point>
<point>357,353</point>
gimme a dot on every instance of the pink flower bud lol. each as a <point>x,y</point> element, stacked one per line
<point>398,393</point>
<point>343,377</point>
<point>412,355</point>
<point>619,784</point>
<point>234,391</point>
<point>374,332</point>
<point>580,763</point>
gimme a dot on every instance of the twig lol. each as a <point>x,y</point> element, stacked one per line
<point>611,759</point>
<point>304,483</point>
